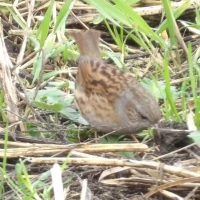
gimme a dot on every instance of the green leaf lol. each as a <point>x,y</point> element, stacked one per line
<point>157,88</point>
<point>197,112</point>
<point>43,55</point>
<point>53,73</point>
<point>54,95</point>
<point>166,75</point>
<point>59,85</point>
<point>109,11</point>
<point>58,50</point>
<point>195,136</point>
<point>170,21</point>
<point>194,85</point>
<point>35,43</point>
<point>138,40</point>
<point>17,18</point>
<point>45,24</point>
<point>111,139</point>
<point>63,14</point>
<point>132,2</point>
<point>64,85</point>
<point>73,115</point>
<point>45,106</point>
<point>98,19</point>
<point>137,22</point>
<point>177,13</point>
<point>115,58</point>
<point>129,155</point>
<point>197,19</point>
<point>49,45</point>
<point>37,66</point>
<point>123,14</point>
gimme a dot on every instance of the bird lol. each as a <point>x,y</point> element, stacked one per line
<point>109,99</point>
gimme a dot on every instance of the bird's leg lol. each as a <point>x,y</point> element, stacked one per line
<point>134,138</point>
<point>95,136</point>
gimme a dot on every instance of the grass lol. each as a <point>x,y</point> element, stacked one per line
<point>50,45</point>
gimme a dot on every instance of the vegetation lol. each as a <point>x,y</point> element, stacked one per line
<point>38,71</point>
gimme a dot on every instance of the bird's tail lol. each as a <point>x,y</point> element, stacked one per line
<point>88,43</point>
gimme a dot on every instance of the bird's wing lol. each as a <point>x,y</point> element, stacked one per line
<point>137,97</point>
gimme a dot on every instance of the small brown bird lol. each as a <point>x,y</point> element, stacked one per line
<point>109,99</point>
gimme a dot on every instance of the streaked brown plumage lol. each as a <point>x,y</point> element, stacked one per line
<point>109,99</point>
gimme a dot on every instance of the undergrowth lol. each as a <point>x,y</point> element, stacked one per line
<point>50,45</point>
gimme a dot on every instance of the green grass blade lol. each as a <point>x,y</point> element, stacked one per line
<point>123,13</point>
<point>170,21</point>
<point>110,12</point>
<point>45,25</point>
<point>3,172</point>
<point>166,75</point>
<point>193,82</point>
<point>16,18</point>
<point>137,21</point>
<point>177,13</point>
<point>63,14</point>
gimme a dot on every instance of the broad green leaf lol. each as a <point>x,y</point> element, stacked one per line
<point>45,106</point>
<point>195,136</point>
<point>73,115</point>
<point>52,95</point>
<point>157,88</point>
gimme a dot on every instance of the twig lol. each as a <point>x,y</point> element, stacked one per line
<point>171,184</point>
<point>173,152</point>
<point>191,193</point>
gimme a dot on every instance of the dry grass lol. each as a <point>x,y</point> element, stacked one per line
<point>32,63</point>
